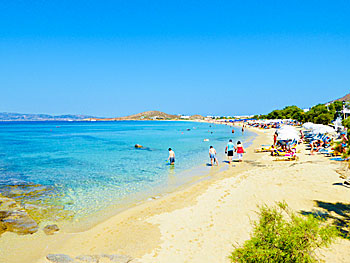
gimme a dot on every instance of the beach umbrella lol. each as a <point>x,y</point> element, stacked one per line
<point>287,136</point>
<point>288,128</point>
<point>323,129</point>
<point>308,125</point>
<point>287,133</point>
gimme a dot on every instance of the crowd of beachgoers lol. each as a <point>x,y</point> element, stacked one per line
<point>331,142</point>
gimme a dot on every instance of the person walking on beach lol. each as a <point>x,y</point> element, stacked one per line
<point>212,156</point>
<point>240,151</point>
<point>243,129</point>
<point>229,150</point>
<point>171,157</point>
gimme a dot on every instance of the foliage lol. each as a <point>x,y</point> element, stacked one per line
<point>336,106</point>
<point>323,118</point>
<point>320,113</point>
<point>323,114</point>
<point>346,123</point>
<point>282,236</point>
<point>289,112</point>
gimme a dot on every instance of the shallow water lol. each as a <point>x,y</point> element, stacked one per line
<point>84,167</point>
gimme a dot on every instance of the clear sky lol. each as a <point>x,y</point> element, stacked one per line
<point>113,58</point>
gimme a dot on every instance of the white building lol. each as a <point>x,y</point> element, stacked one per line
<point>346,112</point>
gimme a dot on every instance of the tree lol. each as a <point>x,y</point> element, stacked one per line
<point>289,111</point>
<point>335,108</point>
<point>346,123</point>
<point>315,112</point>
<point>324,118</point>
<point>276,114</point>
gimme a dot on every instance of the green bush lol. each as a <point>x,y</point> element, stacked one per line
<point>283,236</point>
<point>346,123</point>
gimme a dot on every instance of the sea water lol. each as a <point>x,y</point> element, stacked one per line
<point>84,167</point>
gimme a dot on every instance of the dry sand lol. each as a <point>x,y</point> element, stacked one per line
<point>201,222</point>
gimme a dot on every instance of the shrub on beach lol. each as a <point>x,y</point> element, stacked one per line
<point>283,236</point>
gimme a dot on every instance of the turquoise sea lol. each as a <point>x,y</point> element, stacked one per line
<point>83,167</point>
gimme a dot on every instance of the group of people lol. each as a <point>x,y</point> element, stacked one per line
<point>229,150</point>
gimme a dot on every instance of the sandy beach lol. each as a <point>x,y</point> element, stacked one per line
<point>201,222</point>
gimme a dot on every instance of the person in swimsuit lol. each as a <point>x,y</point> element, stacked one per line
<point>212,156</point>
<point>240,151</point>
<point>171,157</point>
<point>229,150</point>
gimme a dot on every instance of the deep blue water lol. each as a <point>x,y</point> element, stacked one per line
<point>90,165</point>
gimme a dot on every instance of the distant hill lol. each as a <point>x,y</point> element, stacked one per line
<point>197,117</point>
<point>147,115</point>
<point>345,98</point>
<point>150,115</point>
<point>9,116</point>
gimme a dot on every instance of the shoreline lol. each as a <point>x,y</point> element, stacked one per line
<point>192,173</point>
<point>183,226</point>
<point>180,181</point>
<point>113,211</point>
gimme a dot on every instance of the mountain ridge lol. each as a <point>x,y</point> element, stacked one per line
<point>11,116</point>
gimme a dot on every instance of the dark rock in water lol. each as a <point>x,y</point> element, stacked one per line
<point>23,190</point>
<point>88,258</point>
<point>138,146</point>
<point>14,218</point>
<point>50,229</point>
<point>59,258</point>
<point>117,258</point>
<point>40,202</point>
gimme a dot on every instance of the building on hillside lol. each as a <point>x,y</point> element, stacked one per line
<point>346,113</point>
<point>157,118</point>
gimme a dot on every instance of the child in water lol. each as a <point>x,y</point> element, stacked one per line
<point>212,155</point>
<point>240,151</point>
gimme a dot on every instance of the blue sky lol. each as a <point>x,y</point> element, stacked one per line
<point>113,58</point>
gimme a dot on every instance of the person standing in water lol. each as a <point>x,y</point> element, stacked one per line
<point>171,157</point>
<point>229,150</point>
<point>240,151</point>
<point>212,156</point>
<point>243,129</point>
